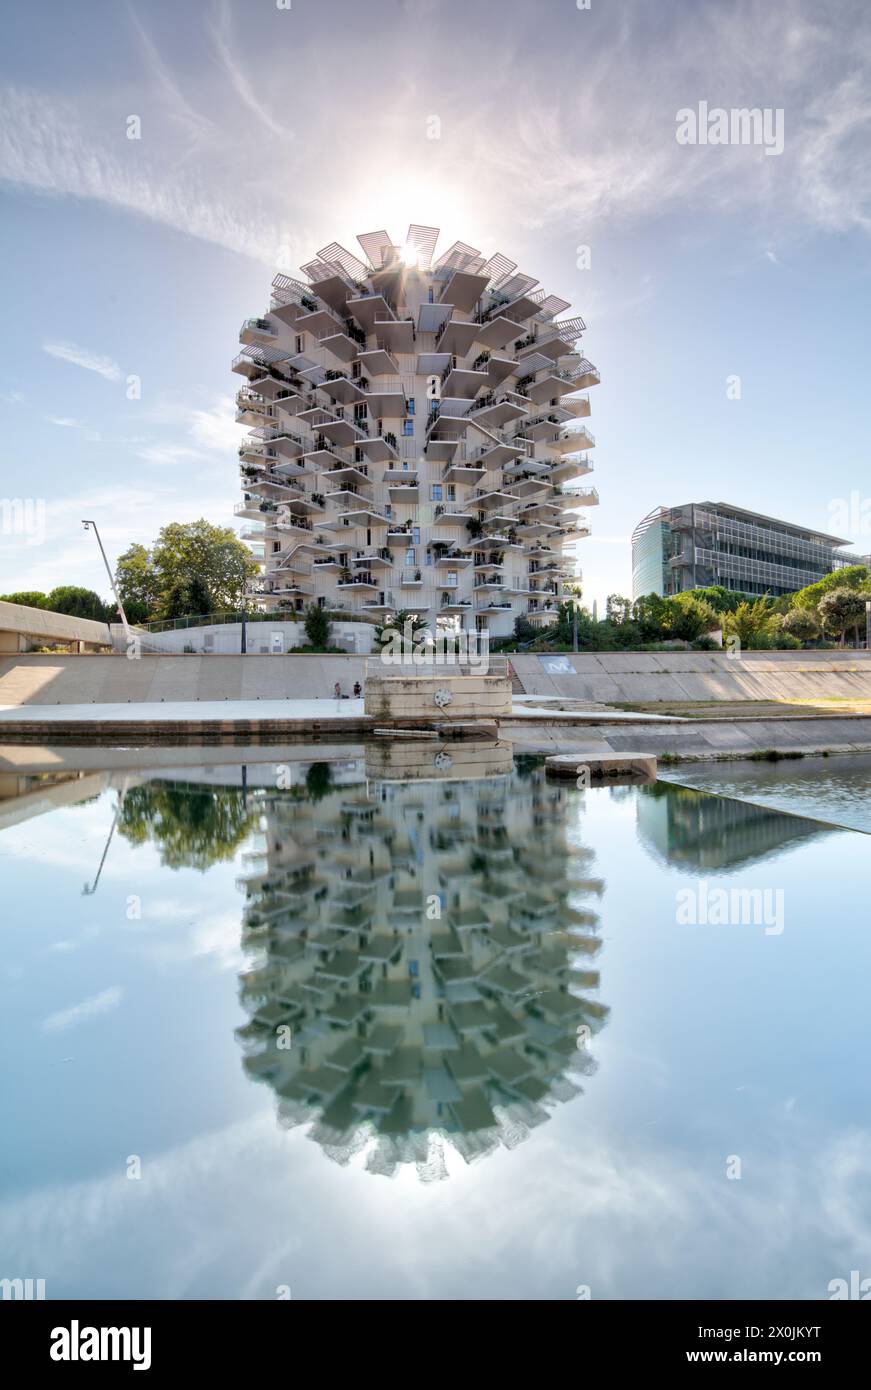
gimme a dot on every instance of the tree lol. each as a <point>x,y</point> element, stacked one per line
<point>800,623</point>
<point>749,623</point>
<point>850,577</point>
<point>617,609</point>
<point>524,630</point>
<point>318,628</point>
<point>395,627</point>
<point>186,598</point>
<point>721,599</point>
<point>650,612</point>
<point>319,781</point>
<point>212,554</point>
<point>194,827</point>
<point>79,603</point>
<point>689,617</point>
<point>138,583</point>
<point>840,609</point>
<point>30,598</point>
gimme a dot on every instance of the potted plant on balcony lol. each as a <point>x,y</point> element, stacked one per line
<point>439,511</point>
<point>417,576</point>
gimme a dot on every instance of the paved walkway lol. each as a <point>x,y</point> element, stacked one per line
<point>178,711</point>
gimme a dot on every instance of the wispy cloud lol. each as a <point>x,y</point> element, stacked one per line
<point>44,146</point>
<point>66,422</point>
<point>98,1004</point>
<point>216,428</point>
<point>83,357</point>
<point>224,46</point>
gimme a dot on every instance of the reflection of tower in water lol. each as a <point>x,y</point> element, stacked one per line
<point>424,946</point>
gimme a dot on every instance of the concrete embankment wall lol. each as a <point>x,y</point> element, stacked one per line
<point>607,677</point>
<point>83,680</point>
<point>645,677</point>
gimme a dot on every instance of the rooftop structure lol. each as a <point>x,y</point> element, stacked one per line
<point>416,436</point>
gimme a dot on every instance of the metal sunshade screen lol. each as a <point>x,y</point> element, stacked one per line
<point>498,267</point>
<point>423,242</point>
<point>518,284</point>
<point>375,247</point>
<point>550,304</point>
<point>457,257</point>
<point>264,354</point>
<point>350,263</point>
<point>320,270</point>
<point>570,329</point>
<point>284,287</point>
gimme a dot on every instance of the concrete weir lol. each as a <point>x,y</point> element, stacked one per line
<point>614,767</point>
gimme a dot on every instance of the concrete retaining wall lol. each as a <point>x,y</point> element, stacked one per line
<point>644,677</point>
<point>413,697</point>
<point>82,680</point>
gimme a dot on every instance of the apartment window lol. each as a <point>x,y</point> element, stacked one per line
<point>452,492</point>
<point>429,557</point>
<point>408,428</point>
<point>415,531</point>
<point>299,342</point>
<point>451,580</point>
<point>410,406</point>
<point>433,407</point>
<point>409,556</point>
<point>358,454</point>
<point>436,492</point>
<point>360,411</point>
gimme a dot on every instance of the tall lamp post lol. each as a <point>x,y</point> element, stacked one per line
<point>868,624</point>
<point>87,525</point>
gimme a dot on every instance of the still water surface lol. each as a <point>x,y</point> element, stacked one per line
<point>514,1067</point>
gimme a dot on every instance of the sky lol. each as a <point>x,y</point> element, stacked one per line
<point>725,287</point>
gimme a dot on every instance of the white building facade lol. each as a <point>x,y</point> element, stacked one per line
<point>416,439</point>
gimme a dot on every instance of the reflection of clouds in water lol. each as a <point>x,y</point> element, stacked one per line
<point>630,1221</point>
<point>94,1007</point>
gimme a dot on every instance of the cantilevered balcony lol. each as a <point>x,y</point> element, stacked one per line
<point>366,308</point>
<point>461,383</point>
<point>394,335</point>
<point>457,337</point>
<point>452,558</point>
<point>403,492</point>
<point>377,362</point>
<point>400,473</point>
<point>290,299</point>
<point>372,559</point>
<point>580,497</point>
<point>347,390</point>
<point>497,454</point>
<point>258,331</point>
<point>452,514</point>
<point>463,471</point>
<point>549,385</point>
<point>463,289</point>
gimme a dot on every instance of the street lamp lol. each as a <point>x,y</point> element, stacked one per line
<point>87,525</point>
<point>868,624</point>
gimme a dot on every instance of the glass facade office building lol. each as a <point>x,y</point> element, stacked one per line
<point>703,543</point>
